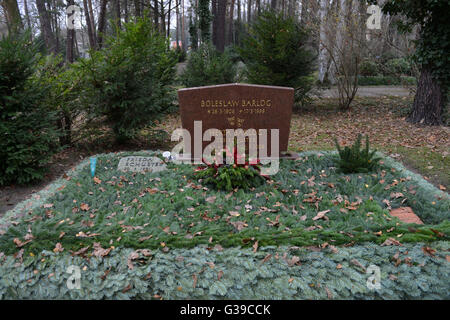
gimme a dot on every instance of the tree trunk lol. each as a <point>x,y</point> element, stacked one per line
<point>89,25</point>
<point>77,51</point>
<point>177,14</point>
<point>125,3</point>
<point>292,5</point>
<point>46,28</point>
<point>239,11</point>
<point>92,19</point>
<point>168,20</point>
<point>137,8</point>
<point>163,18</point>
<point>12,13</point>
<point>230,26</point>
<point>322,59</point>
<point>238,33</point>
<point>273,4</point>
<point>70,37</point>
<point>214,21</point>
<point>117,13</point>
<point>54,11</point>
<point>429,100</point>
<point>64,124</point>
<point>221,13</point>
<point>101,23</point>
<point>339,45</point>
<point>249,10</point>
<point>156,14</point>
<point>27,16</point>
<point>304,13</point>
<point>183,27</point>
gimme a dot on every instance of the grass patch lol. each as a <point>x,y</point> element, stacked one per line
<point>384,120</point>
<point>430,162</point>
<point>172,210</point>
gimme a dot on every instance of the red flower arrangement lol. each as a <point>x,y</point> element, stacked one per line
<point>237,161</point>
<point>240,173</point>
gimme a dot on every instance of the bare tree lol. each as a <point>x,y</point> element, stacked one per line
<point>221,13</point>
<point>292,7</point>
<point>89,24</point>
<point>214,21</point>
<point>177,13</point>
<point>12,13</point>
<point>345,51</point>
<point>137,8</point>
<point>162,25</point>
<point>156,14</point>
<point>230,24</point>
<point>322,59</point>
<point>273,4</point>
<point>54,23</point>
<point>91,16</point>
<point>239,20</point>
<point>117,13</point>
<point>125,5</point>
<point>70,36</point>
<point>239,11</point>
<point>183,27</point>
<point>27,17</point>
<point>101,23</point>
<point>168,18</point>
<point>46,28</point>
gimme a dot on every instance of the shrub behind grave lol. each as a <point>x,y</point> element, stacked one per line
<point>369,68</point>
<point>207,66</point>
<point>398,66</point>
<point>27,129</point>
<point>131,78</point>
<point>276,53</point>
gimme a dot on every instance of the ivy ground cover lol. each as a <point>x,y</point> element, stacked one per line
<point>134,217</point>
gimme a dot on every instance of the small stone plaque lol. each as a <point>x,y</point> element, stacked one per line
<point>141,164</point>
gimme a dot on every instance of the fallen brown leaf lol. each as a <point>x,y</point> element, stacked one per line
<point>321,214</point>
<point>58,248</point>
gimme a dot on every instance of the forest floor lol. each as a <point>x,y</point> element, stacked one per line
<point>424,150</point>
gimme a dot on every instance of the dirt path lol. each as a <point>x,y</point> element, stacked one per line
<point>371,91</point>
<point>180,68</point>
<point>11,195</point>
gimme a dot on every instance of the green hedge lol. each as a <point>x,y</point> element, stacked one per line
<point>385,80</point>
